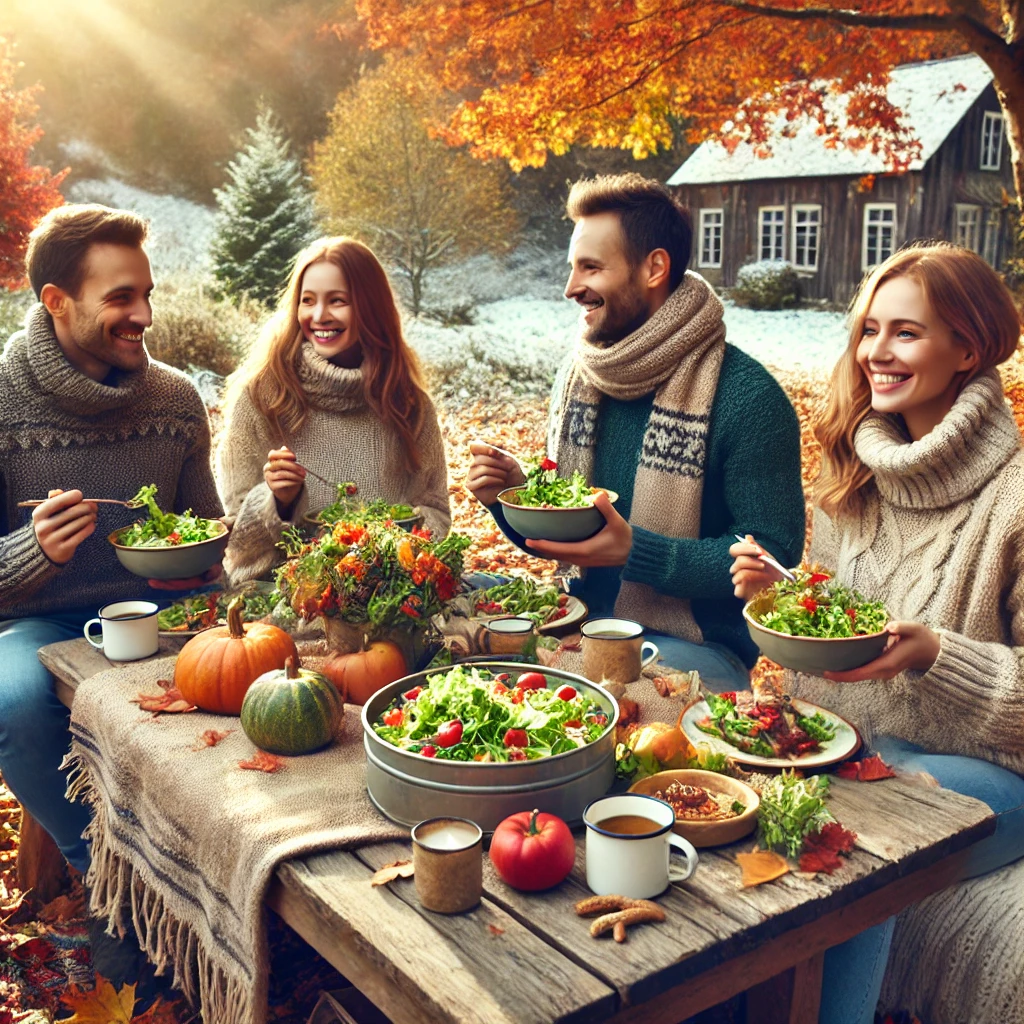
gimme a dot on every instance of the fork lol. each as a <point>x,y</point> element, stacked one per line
<point>765,557</point>
<point>90,501</point>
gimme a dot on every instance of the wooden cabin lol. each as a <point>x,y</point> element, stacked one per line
<point>834,213</point>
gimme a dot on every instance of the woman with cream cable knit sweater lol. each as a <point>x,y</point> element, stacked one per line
<point>920,504</point>
<point>331,386</point>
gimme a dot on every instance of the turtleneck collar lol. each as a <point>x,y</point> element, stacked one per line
<point>37,364</point>
<point>329,387</point>
<point>975,439</point>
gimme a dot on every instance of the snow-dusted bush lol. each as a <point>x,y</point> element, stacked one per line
<point>767,284</point>
<point>13,306</point>
<point>192,328</point>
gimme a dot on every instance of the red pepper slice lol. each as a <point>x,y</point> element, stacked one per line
<point>818,577</point>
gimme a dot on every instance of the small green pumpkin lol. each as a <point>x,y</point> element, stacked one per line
<point>292,710</point>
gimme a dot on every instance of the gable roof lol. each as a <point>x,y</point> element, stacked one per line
<point>933,96</point>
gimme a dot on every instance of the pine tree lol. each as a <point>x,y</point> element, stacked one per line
<point>265,215</point>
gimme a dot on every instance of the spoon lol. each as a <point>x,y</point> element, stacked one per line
<point>765,557</point>
<point>89,501</point>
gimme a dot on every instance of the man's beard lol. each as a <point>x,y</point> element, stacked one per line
<point>91,337</point>
<point>622,316</point>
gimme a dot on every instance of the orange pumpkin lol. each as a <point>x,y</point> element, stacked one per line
<point>360,674</point>
<point>215,669</point>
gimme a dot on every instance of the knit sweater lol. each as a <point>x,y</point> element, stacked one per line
<point>61,429</point>
<point>341,440</point>
<point>941,542</point>
<point>751,485</point>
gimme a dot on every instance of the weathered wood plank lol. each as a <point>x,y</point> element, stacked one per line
<point>426,967</point>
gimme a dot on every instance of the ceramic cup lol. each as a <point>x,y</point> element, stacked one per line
<point>129,630</point>
<point>613,650</point>
<point>506,635</point>
<point>447,859</point>
<point>636,863</point>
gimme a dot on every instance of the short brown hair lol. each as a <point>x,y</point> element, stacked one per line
<point>651,217</point>
<point>61,240</point>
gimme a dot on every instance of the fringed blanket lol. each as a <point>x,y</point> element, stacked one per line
<point>188,841</point>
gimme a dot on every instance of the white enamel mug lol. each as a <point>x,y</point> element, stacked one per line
<point>129,630</point>
<point>635,865</point>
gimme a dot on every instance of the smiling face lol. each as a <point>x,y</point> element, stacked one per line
<point>610,292</point>
<point>913,362</point>
<point>325,312</point>
<point>104,325</point>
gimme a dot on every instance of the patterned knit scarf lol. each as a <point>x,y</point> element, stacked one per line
<point>677,354</point>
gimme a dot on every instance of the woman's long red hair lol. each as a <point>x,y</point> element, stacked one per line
<point>392,379</point>
<point>967,295</point>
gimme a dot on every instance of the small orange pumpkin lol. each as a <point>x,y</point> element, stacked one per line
<point>360,674</point>
<point>215,668</point>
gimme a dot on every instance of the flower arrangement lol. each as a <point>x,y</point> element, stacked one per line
<point>374,573</point>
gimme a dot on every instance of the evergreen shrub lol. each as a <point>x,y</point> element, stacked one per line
<point>767,284</point>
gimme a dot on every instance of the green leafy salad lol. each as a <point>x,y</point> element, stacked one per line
<point>791,809</point>
<point>352,509</point>
<point>201,611</point>
<point>816,605</point>
<point>544,488</point>
<point>469,714</point>
<point>166,529</point>
<point>522,596</point>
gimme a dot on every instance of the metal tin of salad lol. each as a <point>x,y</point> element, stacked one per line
<point>484,740</point>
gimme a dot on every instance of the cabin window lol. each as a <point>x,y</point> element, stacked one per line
<point>991,141</point>
<point>772,232</point>
<point>967,226</point>
<point>806,226</point>
<point>879,239</point>
<point>711,238</point>
<point>990,243</point>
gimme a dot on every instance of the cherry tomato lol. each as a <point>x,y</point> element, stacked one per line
<point>516,738</point>
<point>393,717</point>
<point>413,693</point>
<point>498,689</point>
<point>502,677</point>
<point>450,733</point>
<point>810,604</point>
<point>566,693</point>
<point>574,724</point>
<point>531,681</point>
<point>429,750</point>
<point>516,696</point>
<point>563,600</point>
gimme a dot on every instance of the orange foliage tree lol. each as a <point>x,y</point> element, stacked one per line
<point>538,76</point>
<point>26,192</point>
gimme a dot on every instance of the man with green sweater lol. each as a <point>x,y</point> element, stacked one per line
<point>697,438</point>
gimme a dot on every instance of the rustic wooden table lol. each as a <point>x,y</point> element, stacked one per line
<point>521,958</point>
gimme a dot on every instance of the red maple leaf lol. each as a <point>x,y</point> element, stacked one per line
<point>822,849</point>
<point>261,761</point>
<point>210,738</point>
<point>168,702</point>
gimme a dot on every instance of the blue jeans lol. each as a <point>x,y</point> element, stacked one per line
<point>854,971</point>
<point>34,730</point>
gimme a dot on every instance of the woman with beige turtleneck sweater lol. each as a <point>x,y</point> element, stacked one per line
<point>334,388</point>
<point>921,505</point>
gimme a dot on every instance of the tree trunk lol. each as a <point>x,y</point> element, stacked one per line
<point>41,867</point>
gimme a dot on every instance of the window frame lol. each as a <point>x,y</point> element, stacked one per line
<point>761,211</point>
<point>795,209</point>
<point>995,159</point>
<point>866,223</point>
<point>958,209</point>
<point>992,224</point>
<point>705,213</point>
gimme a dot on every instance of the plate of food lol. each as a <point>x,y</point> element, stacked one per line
<point>350,507</point>
<point>814,624</point>
<point>711,809</point>
<point>551,507</point>
<point>548,606</point>
<point>168,545</point>
<point>193,614</point>
<point>767,728</point>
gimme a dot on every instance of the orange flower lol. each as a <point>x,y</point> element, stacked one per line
<point>406,555</point>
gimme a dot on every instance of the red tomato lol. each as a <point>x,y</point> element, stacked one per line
<point>531,681</point>
<point>533,851</point>
<point>516,738</point>
<point>818,577</point>
<point>516,696</point>
<point>810,604</point>
<point>502,677</point>
<point>429,750</point>
<point>393,717</point>
<point>516,754</point>
<point>566,693</point>
<point>449,734</point>
<point>413,693</point>
<point>498,689</point>
<point>574,724</point>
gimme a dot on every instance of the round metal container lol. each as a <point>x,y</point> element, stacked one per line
<point>407,787</point>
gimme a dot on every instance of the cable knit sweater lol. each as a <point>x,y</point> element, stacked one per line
<point>941,541</point>
<point>61,429</point>
<point>341,440</point>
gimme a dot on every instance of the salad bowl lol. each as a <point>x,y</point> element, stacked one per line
<point>314,519</point>
<point>173,561</point>
<point>548,523</point>
<point>810,654</point>
<point>407,787</point>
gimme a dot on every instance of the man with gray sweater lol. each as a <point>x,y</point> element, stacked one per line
<point>84,412</point>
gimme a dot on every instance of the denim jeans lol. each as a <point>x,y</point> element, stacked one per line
<point>34,730</point>
<point>854,971</point>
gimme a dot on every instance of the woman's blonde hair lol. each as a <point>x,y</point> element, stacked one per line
<point>392,380</point>
<point>967,295</point>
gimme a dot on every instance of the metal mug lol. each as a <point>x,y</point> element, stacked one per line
<point>508,634</point>
<point>613,650</point>
<point>129,628</point>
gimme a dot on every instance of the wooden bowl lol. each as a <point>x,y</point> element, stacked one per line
<point>707,833</point>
